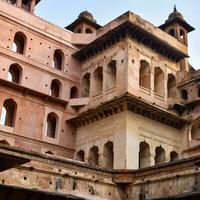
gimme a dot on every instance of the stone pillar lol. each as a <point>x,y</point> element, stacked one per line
<point>101,159</point>
<point>19,3</point>
<point>32,7</point>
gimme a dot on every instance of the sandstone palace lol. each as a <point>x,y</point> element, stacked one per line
<point>95,112</point>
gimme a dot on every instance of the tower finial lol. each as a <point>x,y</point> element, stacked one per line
<point>175,10</point>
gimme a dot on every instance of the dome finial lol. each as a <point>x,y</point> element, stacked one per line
<point>175,10</point>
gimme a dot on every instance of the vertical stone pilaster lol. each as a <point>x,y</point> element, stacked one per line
<point>19,3</point>
<point>32,7</point>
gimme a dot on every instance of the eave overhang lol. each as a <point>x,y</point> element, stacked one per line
<point>177,20</point>
<point>82,20</point>
<point>131,30</point>
<point>130,103</point>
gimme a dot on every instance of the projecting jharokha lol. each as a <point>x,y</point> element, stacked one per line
<point>95,112</point>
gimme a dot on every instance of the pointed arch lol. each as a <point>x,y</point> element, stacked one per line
<point>94,156</point>
<point>159,81</point>
<point>58,59</point>
<point>108,154</point>
<point>111,75</point>
<point>51,125</point>
<point>55,88</point>
<point>80,156</point>
<point>8,113</point>
<point>145,75</point>
<point>14,73</point>
<point>86,85</point>
<point>98,80</point>
<point>171,86</point>
<point>74,93</point>
<point>173,156</point>
<point>144,155</point>
<point>19,43</point>
<point>160,155</point>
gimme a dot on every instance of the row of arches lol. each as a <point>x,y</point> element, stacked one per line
<point>111,74</point>
<point>160,155</point>
<point>180,34</point>
<point>106,160</point>
<point>19,46</point>
<point>25,4</point>
<point>159,85</point>
<point>15,76</point>
<point>8,116</point>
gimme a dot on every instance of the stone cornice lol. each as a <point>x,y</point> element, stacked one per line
<point>129,29</point>
<point>130,103</point>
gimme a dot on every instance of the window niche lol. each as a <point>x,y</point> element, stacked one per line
<point>51,125</point>
<point>19,43</point>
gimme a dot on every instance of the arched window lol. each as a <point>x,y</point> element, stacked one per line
<point>26,5</point>
<point>172,32</point>
<point>19,43</point>
<point>171,86</point>
<point>184,94</point>
<point>98,80</point>
<point>58,59</point>
<point>88,30</point>
<point>86,85</point>
<point>182,36</point>
<point>55,88</point>
<point>74,92</point>
<point>14,74</point>
<point>51,125</point>
<point>13,2</point>
<point>93,156</point>
<point>4,142</point>
<point>159,81</point>
<point>195,130</point>
<point>111,75</point>
<point>160,155</point>
<point>8,113</point>
<point>145,76</point>
<point>144,155</point>
<point>173,156</point>
<point>80,156</point>
<point>108,155</point>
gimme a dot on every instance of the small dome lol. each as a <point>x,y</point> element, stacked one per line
<point>86,15</point>
<point>175,14</point>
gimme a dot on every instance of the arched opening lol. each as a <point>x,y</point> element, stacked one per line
<point>26,5</point>
<point>171,86</point>
<point>13,2</point>
<point>8,113</point>
<point>182,36</point>
<point>98,80</point>
<point>14,74</point>
<point>4,142</point>
<point>145,75</point>
<point>78,30</point>
<point>108,155</point>
<point>51,125</point>
<point>58,59</point>
<point>19,43</point>
<point>86,85</point>
<point>184,94</point>
<point>173,156</point>
<point>195,130</point>
<point>49,152</point>
<point>172,32</point>
<point>111,75</point>
<point>198,92</point>
<point>93,156</point>
<point>74,93</point>
<point>144,155</point>
<point>88,30</point>
<point>159,81</point>
<point>80,156</point>
<point>160,155</point>
<point>55,88</point>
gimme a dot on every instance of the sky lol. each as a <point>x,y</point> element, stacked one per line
<point>63,12</point>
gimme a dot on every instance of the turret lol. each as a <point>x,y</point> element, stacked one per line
<point>85,23</point>
<point>28,5</point>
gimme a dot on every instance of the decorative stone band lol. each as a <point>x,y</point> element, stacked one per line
<point>133,104</point>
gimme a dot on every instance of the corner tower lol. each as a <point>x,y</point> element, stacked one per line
<point>28,5</point>
<point>177,27</point>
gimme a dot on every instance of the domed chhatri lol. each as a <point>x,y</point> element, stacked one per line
<point>87,15</point>
<point>175,14</point>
